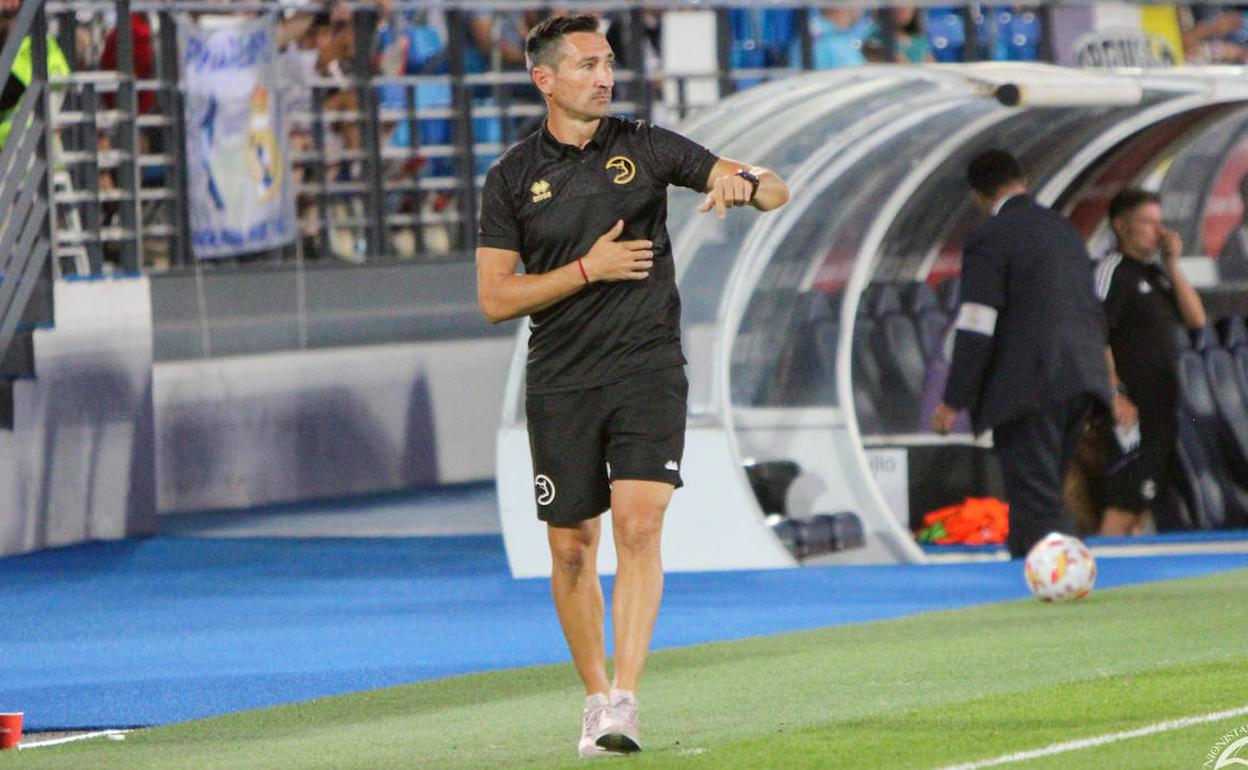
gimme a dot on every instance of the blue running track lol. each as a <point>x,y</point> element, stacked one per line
<point>149,632</point>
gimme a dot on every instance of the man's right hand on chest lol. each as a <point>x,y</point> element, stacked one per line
<point>610,259</point>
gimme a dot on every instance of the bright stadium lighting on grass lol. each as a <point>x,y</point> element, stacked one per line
<point>1060,568</point>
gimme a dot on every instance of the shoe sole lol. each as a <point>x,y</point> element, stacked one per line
<point>618,743</point>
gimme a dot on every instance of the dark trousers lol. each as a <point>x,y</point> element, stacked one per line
<point>1035,450</point>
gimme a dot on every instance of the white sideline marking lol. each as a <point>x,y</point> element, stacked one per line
<point>71,739</point>
<point>1100,740</point>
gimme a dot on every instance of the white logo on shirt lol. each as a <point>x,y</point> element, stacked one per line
<point>1145,287</point>
<point>672,465</point>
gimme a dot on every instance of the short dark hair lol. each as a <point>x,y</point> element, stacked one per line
<point>1129,199</point>
<point>992,170</point>
<point>544,42</point>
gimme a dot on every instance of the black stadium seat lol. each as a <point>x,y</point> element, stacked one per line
<point>866,374</point>
<point>1233,434</point>
<point>1183,339</point>
<point>917,298</point>
<point>1198,485</point>
<point>1204,338</point>
<point>902,366</point>
<point>885,301</point>
<point>1202,437</point>
<point>805,373</point>
<point>1232,332</point>
<point>931,326</point>
<point>1241,370</point>
<point>949,292</point>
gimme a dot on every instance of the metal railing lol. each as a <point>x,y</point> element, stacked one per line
<point>390,151</point>
<point>25,188</point>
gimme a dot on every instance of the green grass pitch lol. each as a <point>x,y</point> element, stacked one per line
<point>926,691</point>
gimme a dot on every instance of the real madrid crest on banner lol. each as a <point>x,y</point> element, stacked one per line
<point>238,194</point>
<point>263,150</point>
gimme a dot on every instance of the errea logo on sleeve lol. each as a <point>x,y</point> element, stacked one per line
<point>541,190</point>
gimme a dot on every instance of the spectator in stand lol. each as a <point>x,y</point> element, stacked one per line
<point>838,36</point>
<point>144,59</point>
<point>1214,34</point>
<point>303,36</point>
<point>651,43</point>
<point>14,87</point>
<point>912,45</point>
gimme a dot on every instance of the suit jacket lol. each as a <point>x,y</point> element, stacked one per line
<point>1030,265</point>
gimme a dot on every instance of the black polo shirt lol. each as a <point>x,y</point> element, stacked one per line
<point>1142,318</point>
<point>550,201</point>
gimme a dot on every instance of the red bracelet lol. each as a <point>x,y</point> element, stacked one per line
<point>584,274</point>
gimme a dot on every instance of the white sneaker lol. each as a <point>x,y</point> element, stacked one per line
<point>592,721</point>
<point>620,730</point>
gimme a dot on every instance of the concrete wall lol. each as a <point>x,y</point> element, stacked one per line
<point>79,463</point>
<point>250,430</point>
<point>104,439</point>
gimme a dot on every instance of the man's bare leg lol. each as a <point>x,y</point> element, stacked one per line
<point>1119,522</point>
<point>637,509</point>
<point>578,598</point>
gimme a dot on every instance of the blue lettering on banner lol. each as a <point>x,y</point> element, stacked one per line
<point>226,52</point>
<point>259,233</point>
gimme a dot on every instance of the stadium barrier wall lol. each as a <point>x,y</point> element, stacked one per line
<point>244,431</point>
<point>80,462</point>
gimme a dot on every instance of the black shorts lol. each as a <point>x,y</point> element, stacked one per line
<point>582,440</point>
<point>1134,480</point>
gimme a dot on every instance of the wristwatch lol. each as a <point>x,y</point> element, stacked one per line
<point>752,179</point>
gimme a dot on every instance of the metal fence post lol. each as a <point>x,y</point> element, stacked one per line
<point>324,249</point>
<point>44,147</point>
<point>1045,49</point>
<point>639,90</point>
<point>128,129</point>
<point>888,34</point>
<point>175,137</point>
<point>804,38</point>
<point>461,104</point>
<point>970,33</point>
<point>365,29</point>
<point>723,51</point>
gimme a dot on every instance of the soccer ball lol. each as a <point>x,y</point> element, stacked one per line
<point>1060,568</point>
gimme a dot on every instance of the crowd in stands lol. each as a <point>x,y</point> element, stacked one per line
<point>319,58</point>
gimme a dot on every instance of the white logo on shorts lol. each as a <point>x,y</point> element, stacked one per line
<point>545,489</point>
<point>672,465</point>
<point>1148,490</point>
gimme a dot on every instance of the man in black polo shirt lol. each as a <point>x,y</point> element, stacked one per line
<point>583,204</point>
<point>1146,302</point>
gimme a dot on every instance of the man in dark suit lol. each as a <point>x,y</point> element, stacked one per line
<point>1029,353</point>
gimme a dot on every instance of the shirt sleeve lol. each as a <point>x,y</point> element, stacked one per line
<point>681,161</point>
<point>1113,303</point>
<point>497,227</point>
<point>983,292</point>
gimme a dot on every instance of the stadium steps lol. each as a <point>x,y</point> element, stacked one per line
<point>17,362</point>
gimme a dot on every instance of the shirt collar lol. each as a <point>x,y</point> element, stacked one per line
<point>561,150</point>
<point>1002,203</point>
<point>1154,260</point>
